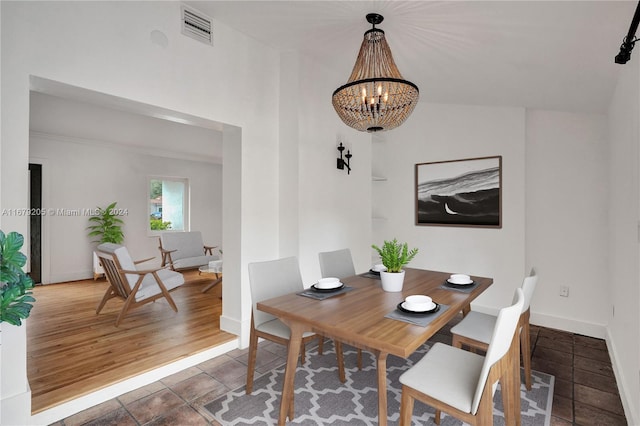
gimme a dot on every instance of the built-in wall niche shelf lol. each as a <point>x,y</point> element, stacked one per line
<point>378,178</point>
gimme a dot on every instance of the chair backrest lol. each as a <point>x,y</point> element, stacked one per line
<point>338,263</point>
<point>114,259</point>
<point>187,244</point>
<point>528,287</point>
<point>501,340</point>
<point>272,279</point>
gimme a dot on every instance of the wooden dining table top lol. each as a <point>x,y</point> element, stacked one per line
<point>357,317</point>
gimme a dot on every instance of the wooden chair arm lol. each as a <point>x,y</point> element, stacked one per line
<point>163,251</point>
<point>143,260</point>
<point>146,271</point>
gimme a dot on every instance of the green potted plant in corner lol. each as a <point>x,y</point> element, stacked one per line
<point>394,256</point>
<point>106,226</point>
<point>15,286</point>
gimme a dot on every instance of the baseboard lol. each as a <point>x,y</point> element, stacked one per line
<point>15,409</point>
<point>79,404</point>
<point>559,323</point>
<point>631,410</point>
<point>71,276</point>
<point>239,328</point>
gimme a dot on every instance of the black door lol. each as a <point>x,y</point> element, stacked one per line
<point>35,221</point>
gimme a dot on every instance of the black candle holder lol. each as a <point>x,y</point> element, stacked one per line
<point>342,163</point>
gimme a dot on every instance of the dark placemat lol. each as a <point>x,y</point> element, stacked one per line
<point>371,275</point>
<point>461,288</point>
<point>323,295</point>
<point>421,320</point>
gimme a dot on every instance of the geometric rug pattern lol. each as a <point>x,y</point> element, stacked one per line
<point>321,399</point>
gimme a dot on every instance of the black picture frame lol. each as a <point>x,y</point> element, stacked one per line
<point>466,192</point>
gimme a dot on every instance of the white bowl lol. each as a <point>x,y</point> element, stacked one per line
<point>327,283</point>
<point>459,278</point>
<point>379,268</point>
<point>418,302</point>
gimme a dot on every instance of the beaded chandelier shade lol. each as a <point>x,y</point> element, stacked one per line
<point>376,97</point>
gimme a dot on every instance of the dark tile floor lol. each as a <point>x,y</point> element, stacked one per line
<point>585,387</point>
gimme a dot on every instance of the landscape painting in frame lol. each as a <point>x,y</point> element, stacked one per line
<point>460,192</point>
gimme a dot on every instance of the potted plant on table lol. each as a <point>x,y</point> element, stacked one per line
<point>394,256</point>
<point>15,286</point>
<point>107,227</point>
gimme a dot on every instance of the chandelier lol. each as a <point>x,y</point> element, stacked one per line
<point>376,97</point>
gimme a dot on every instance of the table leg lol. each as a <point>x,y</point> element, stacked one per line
<point>210,286</point>
<point>381,358</point>
<point>286,400</point>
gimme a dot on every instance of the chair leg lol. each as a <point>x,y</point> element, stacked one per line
<point>437,418</point>
<point>107,295</point>
<point>125,309</point>
<point>406,407</point>
<point>320,344</point>
<point>340,360</point>
<point>525,343</point>
<point>455,341</point>
<point>359,359</point>
<point>251,363</point>
<point>303,350</point>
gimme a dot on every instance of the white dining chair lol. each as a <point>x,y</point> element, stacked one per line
<point>475,329</point>
<point>272,279</point>
<point>462,383</point>
<point>339,264</point>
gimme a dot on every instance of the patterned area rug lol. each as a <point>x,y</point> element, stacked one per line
<point>321,399</point>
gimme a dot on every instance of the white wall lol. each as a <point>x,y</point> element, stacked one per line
<point>106,47</point>
<point>83,174</point>
<point>451,132</point>
<point>566,217</point>
<point>623,334</point>
<point>334,207</point>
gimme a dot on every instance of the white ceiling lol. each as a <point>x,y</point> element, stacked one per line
<point>539,54</point>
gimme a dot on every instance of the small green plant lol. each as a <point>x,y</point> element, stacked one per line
<point>395,255</point>
<point>15,295</point>
<point>159,225</point>
<point>106,225</point>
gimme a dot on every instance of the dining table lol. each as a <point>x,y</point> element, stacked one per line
<point>365,316</point>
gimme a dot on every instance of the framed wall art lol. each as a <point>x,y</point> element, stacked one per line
<point>464,192</point>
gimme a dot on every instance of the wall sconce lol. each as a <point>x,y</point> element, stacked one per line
<point>342,163</point>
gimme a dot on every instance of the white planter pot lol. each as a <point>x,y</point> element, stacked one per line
<point>392,281</point>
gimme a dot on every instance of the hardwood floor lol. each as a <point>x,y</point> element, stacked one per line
<point>71,351</point>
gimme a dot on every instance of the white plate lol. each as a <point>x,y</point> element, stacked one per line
<point>328,286</point>
<point>430,308</point>
<point>460,282</point>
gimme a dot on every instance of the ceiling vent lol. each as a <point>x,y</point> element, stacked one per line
<point>196,25</point>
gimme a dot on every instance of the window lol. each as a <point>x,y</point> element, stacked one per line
<point>168,204</point>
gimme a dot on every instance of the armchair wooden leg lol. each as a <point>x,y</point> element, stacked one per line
<point>437,418</point>
<point>107,295</point>
<point>320,344</point>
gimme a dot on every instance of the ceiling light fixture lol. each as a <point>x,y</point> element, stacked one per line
<point>630,40</point>
<point>376,97</point>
